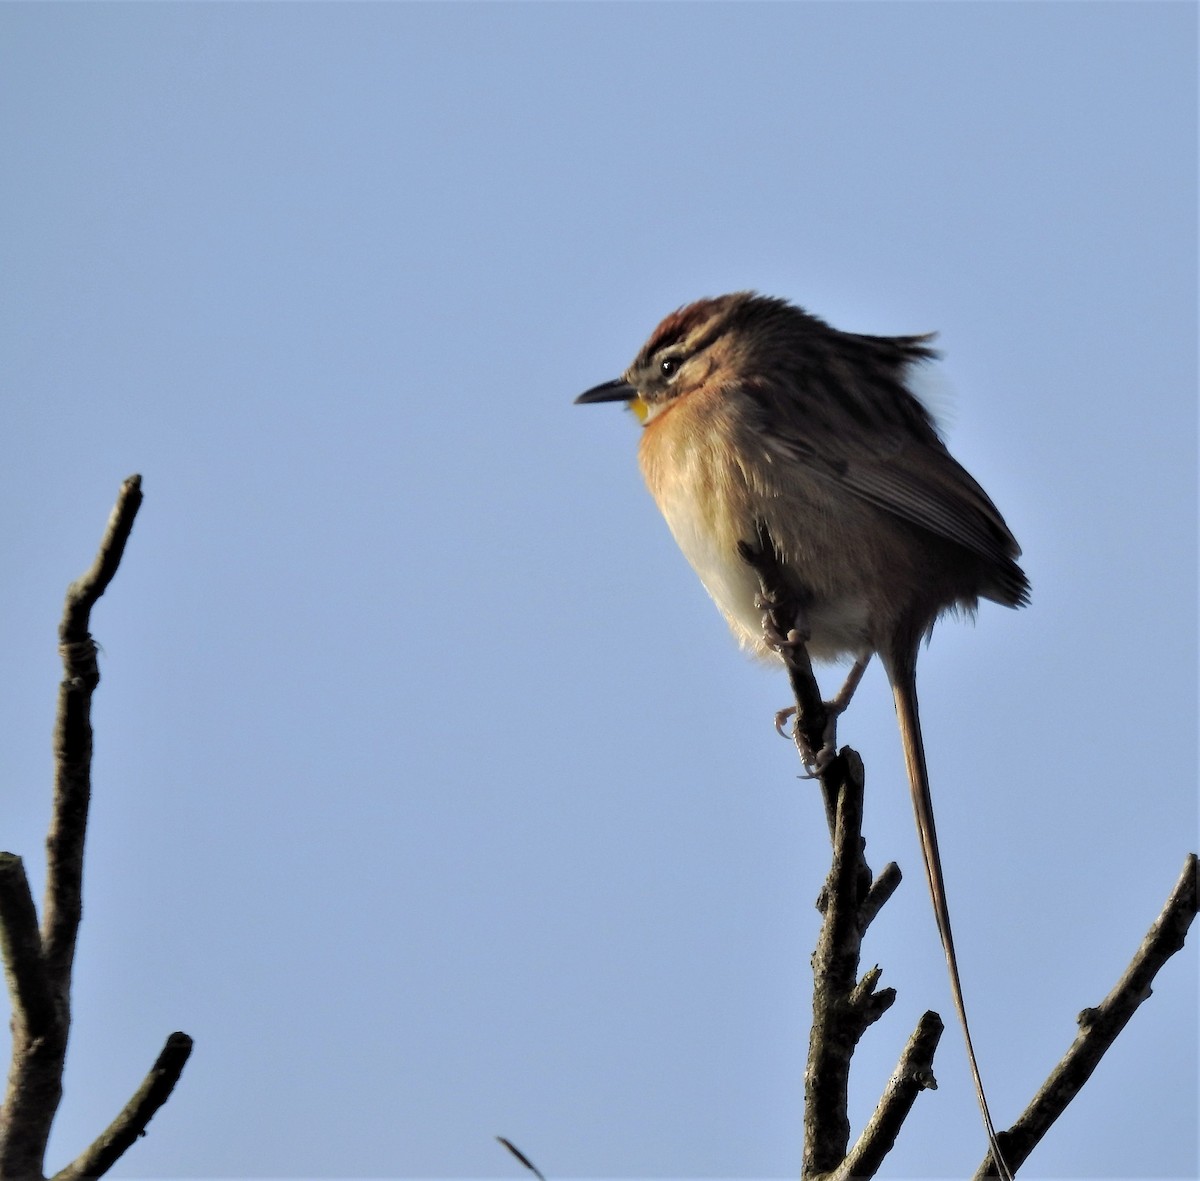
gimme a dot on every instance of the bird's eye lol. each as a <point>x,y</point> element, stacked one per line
<point>669,366</point>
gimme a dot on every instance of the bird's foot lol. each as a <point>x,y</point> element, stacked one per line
<point>785,645</point>
<point>816,762</point>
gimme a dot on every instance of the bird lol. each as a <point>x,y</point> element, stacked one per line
<point>761,420</point>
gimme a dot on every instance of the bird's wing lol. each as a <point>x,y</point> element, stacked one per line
<point>901,467</point>
<point>938,494</point>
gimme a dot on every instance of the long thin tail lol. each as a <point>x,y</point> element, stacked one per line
<point>902,673</point>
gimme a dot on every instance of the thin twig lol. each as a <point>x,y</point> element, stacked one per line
<point>156,1088</point>
<point>85,590</point>
<point>913,1074</point>
<point>519,1155</point>
<point>882,888</point>
<point>62,908</point>
<point>1100,1026</point>
<point>21,945</point>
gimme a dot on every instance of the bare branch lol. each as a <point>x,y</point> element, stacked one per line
<point>21,944</point>
<point>882,888</point>
<point>1100,1026</point>
<point>73,743</point>
<point>913,1074</point>
<point>39,1031</point>
<point>843,1006</point>
<point>85,590</point>
<point>38,963</point>
<point>842,1010</point>
<point>155,1090</point>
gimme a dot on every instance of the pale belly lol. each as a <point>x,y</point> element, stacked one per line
<point>838,628</point>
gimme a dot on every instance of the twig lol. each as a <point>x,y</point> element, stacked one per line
<point>73,744</point>
<point>1100,1026</point>
<point>913,1074</point>
<point>21,944</point>
<point>38,962</point>
<point>843,1005</point>
<point>882,888</point>
<point>520,1156</point>
<point>156,1088</point>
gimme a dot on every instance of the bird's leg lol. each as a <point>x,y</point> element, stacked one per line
<point>849,685</point>
<point>835,708</point>
<point>793,650</point>
<point>816,762</point>
<point>778,602</point>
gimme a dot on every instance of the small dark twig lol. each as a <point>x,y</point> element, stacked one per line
<point>156,1088</point>
<point>1100,1026</point>
<point>520,1156</point>
<point>73,743</point>
<point>21,944</point>
<point>882,888</point>
<point>913,1074</point>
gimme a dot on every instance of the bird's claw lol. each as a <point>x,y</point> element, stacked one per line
<point>816,762</point>
<point>781,719</point>
<point>785,645</point>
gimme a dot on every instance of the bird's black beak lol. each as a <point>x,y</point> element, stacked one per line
<point>617,390</point>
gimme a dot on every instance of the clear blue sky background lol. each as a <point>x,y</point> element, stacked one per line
<point>431,796</point>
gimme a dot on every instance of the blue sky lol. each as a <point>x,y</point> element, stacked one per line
<point>431,796</point>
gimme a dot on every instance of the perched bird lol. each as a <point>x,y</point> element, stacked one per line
<point>759,416</point>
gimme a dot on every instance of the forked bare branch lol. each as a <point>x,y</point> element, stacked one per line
<point>38,961</point>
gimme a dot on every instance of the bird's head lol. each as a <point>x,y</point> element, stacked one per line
<point>770,351</point>
<point>694,346</point>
